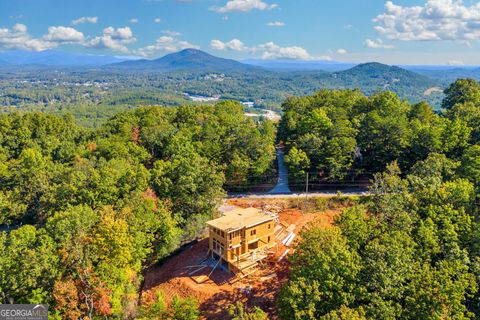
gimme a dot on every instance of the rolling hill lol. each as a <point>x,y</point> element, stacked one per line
<point>56,58</point>
<point>188,59</point>
<point>300,65</point>
<point>375,76</point>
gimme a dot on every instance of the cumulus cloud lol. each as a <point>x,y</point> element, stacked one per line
<point>276,24</point>
<point>85,20</point>
<point>270,50</point>
<point>234,44</point>
<point>342,51</point>
<point>436,20</point>
<point>267,51</point>
<point>164,44</point>
<point>244,6</point>
<point>157,20</point>
<point>113,39</point>
<point>134,20</point>
<point>62,34</point>
<point>18,38</point>
<point>376,44</point>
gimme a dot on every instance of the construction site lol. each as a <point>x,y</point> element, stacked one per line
<point>243,257</point>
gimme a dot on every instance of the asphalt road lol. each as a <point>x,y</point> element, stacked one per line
<point>282,190</point>
<point>360,193</point>
<point>282,183</point>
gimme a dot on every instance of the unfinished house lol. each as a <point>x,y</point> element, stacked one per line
<point>241,238</point>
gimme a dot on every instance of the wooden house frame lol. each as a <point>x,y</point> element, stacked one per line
<point>241,238</point>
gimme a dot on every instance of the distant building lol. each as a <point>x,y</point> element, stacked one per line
<point>241,238</point>
<point>249,104</point>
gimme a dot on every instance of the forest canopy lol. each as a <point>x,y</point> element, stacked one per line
<point>84,211</point>
<point>337,134</point>
<point>411,250</point>
<point>90,208</point>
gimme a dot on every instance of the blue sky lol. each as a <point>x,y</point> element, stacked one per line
<point>398,32</point>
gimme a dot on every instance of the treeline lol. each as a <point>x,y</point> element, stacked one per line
<point>90,208</point>
<point>340,134</point>
<point>412,249</point>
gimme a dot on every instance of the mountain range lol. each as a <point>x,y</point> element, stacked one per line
<point>196,59</point>
<point>191,70</point>
<point>57,58</point>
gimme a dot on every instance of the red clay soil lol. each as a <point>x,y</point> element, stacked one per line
<point>216,294</point>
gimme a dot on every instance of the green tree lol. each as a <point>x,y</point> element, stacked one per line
<point>238,311</point>
<point>345,313</point>
<point>324,274</point>
<point>461,91</point>
<point>29,264</point>
<point>297,162</point>
<point>184,309</point>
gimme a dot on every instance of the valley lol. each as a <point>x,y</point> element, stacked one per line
<point>189,77</point>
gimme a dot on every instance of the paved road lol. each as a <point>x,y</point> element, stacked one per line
<point>281,189</point>
<point>360,193</point>
<point>282,183</point>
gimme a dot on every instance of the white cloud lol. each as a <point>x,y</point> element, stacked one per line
<point>134,20</point>
<point>234,44</point>
<point>436,20</point>
<point>62,34</point>
<point>20,16</point>
<point>20,28</point>
<point>85,20</point>
<point>376,44</point>
<point>276,24</point>
<point>244,6</point>
<point>113,39</point>
<point>455,63</point>
<point>164,44</point>
<point>342,51</point>
<point>270,50</point>
<point>18,38</point>
<point>171,33</point>
<point>267,51</point>
<point>157,20</point>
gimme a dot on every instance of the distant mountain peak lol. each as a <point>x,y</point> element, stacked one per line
<point>373,65</point>
<point>191,51</point>
<point>373,68</point>
<point>187,59</point>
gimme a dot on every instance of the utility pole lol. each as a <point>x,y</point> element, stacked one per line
<point>306,188</point>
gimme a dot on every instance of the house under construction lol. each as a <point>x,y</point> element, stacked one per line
<point>241,238</point>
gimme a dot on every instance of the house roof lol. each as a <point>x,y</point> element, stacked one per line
<point>240,218</point>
